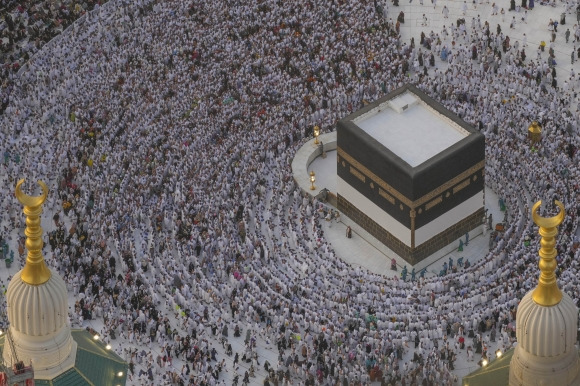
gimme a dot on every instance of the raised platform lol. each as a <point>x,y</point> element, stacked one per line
<point>305,156</point>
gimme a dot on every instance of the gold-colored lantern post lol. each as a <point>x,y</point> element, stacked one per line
<point>312,180</point>
<point>535,132</point>
<point>547,292</point>
<point>316,134</point>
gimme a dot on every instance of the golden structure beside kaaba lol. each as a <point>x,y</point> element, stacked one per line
<point>535,132</point>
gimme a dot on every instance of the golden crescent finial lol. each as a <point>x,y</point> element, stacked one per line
<point>35,271</point>
<point>547,292</point>
<point>548,222</point>
<point>31,201</point>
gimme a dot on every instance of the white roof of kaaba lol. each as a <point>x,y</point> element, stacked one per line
<point>410,128</point>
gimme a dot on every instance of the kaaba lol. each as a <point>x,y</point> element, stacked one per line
<point>411,173</point>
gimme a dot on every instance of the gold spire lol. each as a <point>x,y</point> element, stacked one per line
<point>535,132</point>
<point>547,292</point>
<point>35,271</point>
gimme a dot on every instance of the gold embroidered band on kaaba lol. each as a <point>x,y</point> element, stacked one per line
<point>386,196</point>
<point>357,174</point>
<point>389,190</point>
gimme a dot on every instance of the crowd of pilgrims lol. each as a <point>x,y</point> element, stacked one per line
<point>166,130</point>
<point>26,25</point>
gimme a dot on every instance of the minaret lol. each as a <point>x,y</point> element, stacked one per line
<point>38,303</point>
<point>547,321</point>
